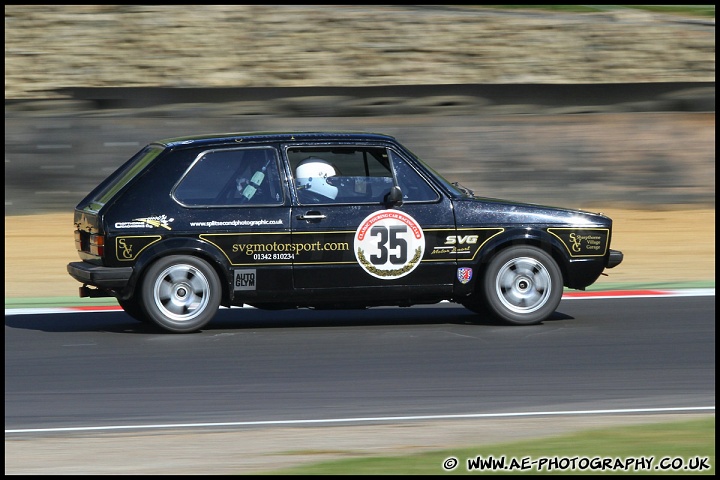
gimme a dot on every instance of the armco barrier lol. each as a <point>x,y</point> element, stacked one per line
<point>585,146</point>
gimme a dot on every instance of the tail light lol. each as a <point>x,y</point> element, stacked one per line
<point>97,245</point>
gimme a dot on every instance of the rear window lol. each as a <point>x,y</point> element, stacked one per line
<point>121,177</point>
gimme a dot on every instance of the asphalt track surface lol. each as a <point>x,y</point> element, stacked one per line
<point>103,370</point>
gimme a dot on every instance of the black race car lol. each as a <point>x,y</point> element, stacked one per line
<point>320,220</point>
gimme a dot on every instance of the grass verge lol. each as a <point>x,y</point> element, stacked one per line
<point>687,446</point>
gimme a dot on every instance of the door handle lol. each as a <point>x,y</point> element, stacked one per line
<point>311,216</point>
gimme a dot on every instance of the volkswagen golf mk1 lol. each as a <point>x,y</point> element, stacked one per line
<point>320,220</point>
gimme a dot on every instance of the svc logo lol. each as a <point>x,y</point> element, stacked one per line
<point>461,239</point>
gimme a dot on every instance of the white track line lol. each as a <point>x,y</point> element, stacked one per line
<point>366,419</point>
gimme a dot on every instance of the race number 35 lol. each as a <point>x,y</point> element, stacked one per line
<point>389,244</point>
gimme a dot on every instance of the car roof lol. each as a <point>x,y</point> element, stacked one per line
<point>253,137</point>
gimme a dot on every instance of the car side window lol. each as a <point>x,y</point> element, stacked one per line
<point>230,177</point>
<point>344,174</point>
<point>414,187</point>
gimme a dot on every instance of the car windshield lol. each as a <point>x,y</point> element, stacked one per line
<point>452,187</point>
<point>121,177</point>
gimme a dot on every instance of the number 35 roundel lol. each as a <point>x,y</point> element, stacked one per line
<point>389,244</point>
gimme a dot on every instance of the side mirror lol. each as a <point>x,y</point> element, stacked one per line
<point>394,197</point>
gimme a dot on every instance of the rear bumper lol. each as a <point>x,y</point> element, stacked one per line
<point>615,258</point>
<point>102,277</point>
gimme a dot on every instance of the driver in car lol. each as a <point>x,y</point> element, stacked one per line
<point>311,177</point>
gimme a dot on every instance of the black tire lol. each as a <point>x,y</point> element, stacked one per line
<point>476,304</point>
<point>522,285</point>
<point>181,293</point>
<point>133,307</point>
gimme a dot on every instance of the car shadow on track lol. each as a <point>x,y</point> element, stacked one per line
<point>251,318</point>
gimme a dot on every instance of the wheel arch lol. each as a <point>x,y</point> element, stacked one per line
<point>182,246</point>
<point>525,236</point>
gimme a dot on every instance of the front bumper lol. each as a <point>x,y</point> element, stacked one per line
<point>615,258</point>
<point>102,277</point>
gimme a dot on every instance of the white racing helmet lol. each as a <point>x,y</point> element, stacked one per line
<point>312,173</point>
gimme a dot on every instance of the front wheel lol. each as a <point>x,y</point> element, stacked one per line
<point>181,294</point>
<point>522,285</point>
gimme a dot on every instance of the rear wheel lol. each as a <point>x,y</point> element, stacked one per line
<point>522,285</point>
<point>181,294</point>
<point>133,308</point>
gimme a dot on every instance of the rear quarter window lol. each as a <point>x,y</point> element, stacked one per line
<point>245,176</point>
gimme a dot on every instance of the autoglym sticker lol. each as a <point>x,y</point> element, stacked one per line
<point>244,279</point>
<point>389,244</point>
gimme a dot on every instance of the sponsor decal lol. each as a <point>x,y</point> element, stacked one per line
<point>244,279</point>
<point>132,225</point>
<point>465,244</point>
<point>128,248</point>
<point>582,242</point>
<point>269,248</point>
<point>464,275</point>
<point>158,221</point>
<point>461,239</point>
<point>236,223</point>
<point>147,222</point>
<point>389,244</point>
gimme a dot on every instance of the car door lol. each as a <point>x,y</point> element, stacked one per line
<point>349,243</point>
<point>235,200</point>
